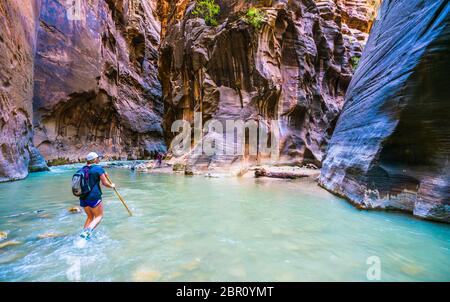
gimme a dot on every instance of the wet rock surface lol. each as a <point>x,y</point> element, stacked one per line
<point>294,69</point>
<point>9,243</point>
<point>391,145</point>
<point>74,210</point>
<point>3,235</point>
<point>49,235</point>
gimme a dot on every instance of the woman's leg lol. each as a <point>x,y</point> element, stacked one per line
<point>90,216</point>
<point>98,216</point>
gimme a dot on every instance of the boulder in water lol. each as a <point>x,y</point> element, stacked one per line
<point>74,210</point>
<point>44,215</point>
<point>9,243</point>
<point>3,235</point>
<point>412,269</point>
<point>48,235</point>
<point>175,275</point>
<point>190,266</point>
<point>146,276</point>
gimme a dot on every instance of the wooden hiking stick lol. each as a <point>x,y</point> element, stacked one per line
<point>120,197</point>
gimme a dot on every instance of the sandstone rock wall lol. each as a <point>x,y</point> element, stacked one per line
<point>96,85</point>
<point>391,146</point>
<point>18,24</point>
<point>294,69</point>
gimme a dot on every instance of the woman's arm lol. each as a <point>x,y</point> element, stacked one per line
<point>105,181</point>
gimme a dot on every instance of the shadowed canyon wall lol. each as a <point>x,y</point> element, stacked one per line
<point>18,25</point>
<point>75,79</point>
<point>294,69</point>
<point>391,145</point>
<point>96,85</point>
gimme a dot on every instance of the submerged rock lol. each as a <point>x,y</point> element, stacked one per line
<point>175,275</point>
<point>412,269</point>
<point>146,276</point>
<point>10,257</point>
<point>44,215</point>
<point>193,265</point>
<point>391,145</point>
<point>9,243</point>
<point>49,235</point>
<point>3,235</point>
<point>74,210</point>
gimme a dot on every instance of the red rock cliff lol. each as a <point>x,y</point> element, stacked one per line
<point>295,68</point>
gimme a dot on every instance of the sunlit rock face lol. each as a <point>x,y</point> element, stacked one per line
<point>391,145</point>
<point>294,69</point>
<point>96,85</point>
<point>18,25</point>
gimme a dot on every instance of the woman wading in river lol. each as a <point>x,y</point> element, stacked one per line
<point>92,201</point>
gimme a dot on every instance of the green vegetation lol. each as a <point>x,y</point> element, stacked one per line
<point>58,161</point>
<point>178,167</point>
<point>354,61</point>
<point>254,16</point>
<point>207,10</point>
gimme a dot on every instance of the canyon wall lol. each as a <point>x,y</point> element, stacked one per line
<point>77,76</point>
<point>293,69</point>
<point>391,145</point>
<point>18,25</point>
<point>96,85</point>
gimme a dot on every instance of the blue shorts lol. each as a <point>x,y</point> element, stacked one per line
<point>87,203</point>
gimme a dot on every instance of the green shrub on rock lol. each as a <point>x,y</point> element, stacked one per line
<point>354,61</point>
<point>207,10</point>
<point>254,16</point>
<point>178,167</point>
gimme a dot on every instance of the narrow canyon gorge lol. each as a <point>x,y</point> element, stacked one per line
<point>391,145</point>
<point>357,88</point>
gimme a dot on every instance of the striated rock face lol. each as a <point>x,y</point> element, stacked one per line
<point>391,145</point>
<point>18,25</point>
<point>96,85</point>
<point>294,69</point>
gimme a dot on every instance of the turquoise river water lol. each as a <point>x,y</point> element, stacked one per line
<point>211,229</point>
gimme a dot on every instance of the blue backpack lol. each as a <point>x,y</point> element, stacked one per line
<point>80,182</point>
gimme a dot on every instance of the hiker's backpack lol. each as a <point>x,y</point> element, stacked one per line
<point>80,182</point>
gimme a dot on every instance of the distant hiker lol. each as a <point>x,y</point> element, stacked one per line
<point>91,192</point>
<point>159,158</point>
